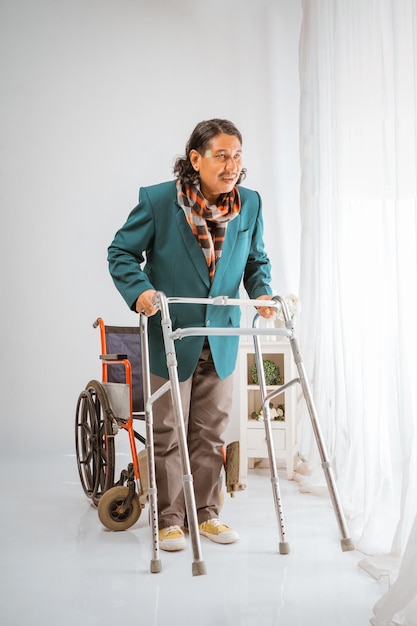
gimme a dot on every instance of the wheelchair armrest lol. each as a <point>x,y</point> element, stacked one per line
<point>113,357</point>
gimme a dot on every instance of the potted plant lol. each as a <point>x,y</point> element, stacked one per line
<point>272,373</point>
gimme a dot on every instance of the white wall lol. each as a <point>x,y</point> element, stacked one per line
<point>97,98</point>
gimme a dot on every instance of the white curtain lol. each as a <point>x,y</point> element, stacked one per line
<point>358,281</point>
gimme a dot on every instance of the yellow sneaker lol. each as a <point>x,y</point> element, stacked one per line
<point>171,538</point>
<point>215,530</point>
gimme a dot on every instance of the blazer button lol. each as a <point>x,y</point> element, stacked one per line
<point>208,323</point>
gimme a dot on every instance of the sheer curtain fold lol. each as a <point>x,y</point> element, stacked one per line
<point>358,281</point>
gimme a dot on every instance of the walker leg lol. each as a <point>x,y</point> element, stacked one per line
<point>284,547</point>
<point>346,541</point>
<point>146,498</point>
<point>155,566</point>
<point>198,566</point>
<point>150,476</point>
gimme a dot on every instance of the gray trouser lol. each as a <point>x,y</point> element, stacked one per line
<point>206,403</point>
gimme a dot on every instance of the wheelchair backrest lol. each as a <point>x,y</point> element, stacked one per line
<point>126,340</point>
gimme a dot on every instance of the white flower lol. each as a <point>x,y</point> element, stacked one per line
<point>276,414</point>
<point>293,305</point>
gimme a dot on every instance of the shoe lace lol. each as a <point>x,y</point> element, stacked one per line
<point>215,522</point>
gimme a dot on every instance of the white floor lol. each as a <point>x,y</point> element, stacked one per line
<point>60,567</point>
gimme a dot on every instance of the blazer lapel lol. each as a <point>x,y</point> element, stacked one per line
<point>193,249</point>
<point>227,250</point>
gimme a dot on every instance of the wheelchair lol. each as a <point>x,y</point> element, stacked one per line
<point>114,404</point>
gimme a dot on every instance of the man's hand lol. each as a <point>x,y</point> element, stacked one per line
<point>266,311</point>
<point>145,303</point>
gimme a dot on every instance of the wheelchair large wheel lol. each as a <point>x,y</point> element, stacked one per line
<point>116,511</point>
<point>94,441</point>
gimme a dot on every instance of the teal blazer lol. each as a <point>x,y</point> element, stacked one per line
<point>155,249</point>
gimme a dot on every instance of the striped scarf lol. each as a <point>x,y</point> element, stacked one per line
<point>208,223</point>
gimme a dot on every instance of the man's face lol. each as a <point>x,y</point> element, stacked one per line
<point>219,167</point>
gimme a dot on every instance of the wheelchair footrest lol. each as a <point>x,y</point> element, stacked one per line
<point>232,468</point>
<point>144,476</point>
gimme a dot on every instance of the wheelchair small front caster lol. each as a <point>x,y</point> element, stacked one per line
<point>118,509</point>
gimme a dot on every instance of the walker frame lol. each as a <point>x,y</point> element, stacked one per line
<point>119,506</point>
